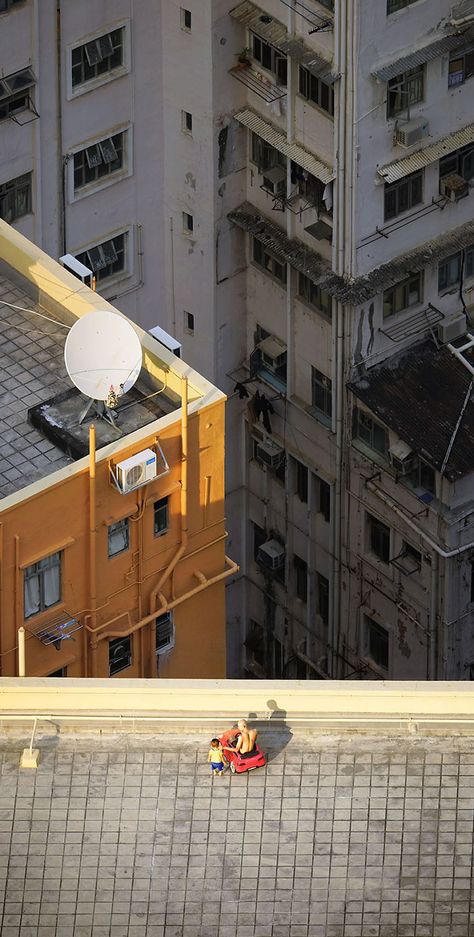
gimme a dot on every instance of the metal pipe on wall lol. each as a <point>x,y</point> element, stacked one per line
<point>92,544</point>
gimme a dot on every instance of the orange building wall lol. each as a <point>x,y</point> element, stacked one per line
<point>57,517</point>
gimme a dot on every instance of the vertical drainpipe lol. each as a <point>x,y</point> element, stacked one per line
<point>38,183</point>
<point>341,20</point>
<point>92,548</point>
<point>21,652</point>
<point>433,638</point>
<point>62,164</point>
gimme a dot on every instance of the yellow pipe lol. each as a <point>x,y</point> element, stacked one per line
<point>92,546</point>
<point>232,568</point>
<point>2,621</point>
<point>21,652</point>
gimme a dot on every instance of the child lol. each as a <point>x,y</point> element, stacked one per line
<point>216,757</point>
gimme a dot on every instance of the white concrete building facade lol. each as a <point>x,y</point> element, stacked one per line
<point>286,188</point>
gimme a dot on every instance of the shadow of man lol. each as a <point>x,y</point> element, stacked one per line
<point>274,733</point>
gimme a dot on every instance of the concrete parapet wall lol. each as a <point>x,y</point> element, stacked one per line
<point>336,705</point>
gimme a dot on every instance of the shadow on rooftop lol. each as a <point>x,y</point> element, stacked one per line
<point>274,733</point>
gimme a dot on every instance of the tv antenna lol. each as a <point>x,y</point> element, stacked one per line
<point>103,357</point>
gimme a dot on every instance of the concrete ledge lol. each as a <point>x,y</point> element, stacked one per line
<point>151,704</point>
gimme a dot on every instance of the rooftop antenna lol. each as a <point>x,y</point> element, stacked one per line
<point>103,357</point>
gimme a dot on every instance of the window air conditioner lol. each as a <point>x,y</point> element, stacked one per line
<point>453,328</point>
<point>402,457</point>
<point>270,454</point>
<point>137,470</point>
<point>453,187</point>
<point>412,132</point>
<point>273,353</point>
<point>271,555</point>
<point>274,180</point>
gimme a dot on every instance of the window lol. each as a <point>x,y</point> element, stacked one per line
<point>42,585</point>
<point>15,198</point>
<point>314,295</point>
<point>264,155</point>
<point>270,58</point>
<point>188,223</point>
<point>5,5</point>
<point>316,90</point>
<point>376,643</point>
<point>255,643</point>
<point>408,560</point>
<point>471,564</point>
<point>322,597</point>
<point>186,122</point>
<point>99,57</point>
<point>460,162</point>
<point>369,432</point>
<point>62,672</point>
<point>301,480</point>
<point>461,67</point>
<point>185,19</point>
<point>407,293</point>
<point>394,5</point>
<point>268,262</point>
<point>161,519</point>
<point>310,188</point>
<point>120,654</point>
<point>321,394</point>
<point>301,578</point>
<point>164,632</point>
<point>403,195</point>
<point>105,259</point>
<point>404,90</point>
<point>423,476</point>
<point>259,537</point>
<point>189,322</point>
<point>449,270</point>
<point>118,537</point>
<point>324,499</point>
<point>379,538</point>
<point>99,160</point>
<point>15,92</point>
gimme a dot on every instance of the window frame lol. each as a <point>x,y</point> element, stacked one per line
<point>457,57</point>
<point>276,61</point>
<point>75,90</point>
<point>36,570</point>
<point>108,178</point>
<point>320,383</point>
<point>313,90</point>
<point>379,538</point>
<point>374,429</point>
<point>301,480</point>
<point>322,598</point>
<point>8,6</point>
<point>187,118</point>
<point>115,642</point>
<point>324,498</point>
<point>121,525</point>
<point>167,618</point>
<point>189,322</point>
<point>158,506</point>
<point>394,6</point>
<point>455,163</point>
<point>185,19</point>
<point>268,262</point>
<point>10,189</point>
<point>402,291</point>
<point>17,101</point>
<point>125,251</point>
<point>397,189</point>
<point>300,568</point>
<point>399,87</point>
<point>384,634</point>
<point>188,224</point>
<point>312,294</point>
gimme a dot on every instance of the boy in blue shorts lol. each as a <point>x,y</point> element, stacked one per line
<point>216,757</point>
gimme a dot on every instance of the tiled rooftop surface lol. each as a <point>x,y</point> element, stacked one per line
<point>31,370</point>
<point>129,836</point>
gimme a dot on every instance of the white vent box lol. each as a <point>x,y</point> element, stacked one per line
<point>453,328</point>
<point>412,132</point>
<point>401,457</point>
<point>166,339</point>
<point>75,267</point>
<point>271,555</point>
<point>270,454</point>
<point>137,470</point>
<point>453,187</point>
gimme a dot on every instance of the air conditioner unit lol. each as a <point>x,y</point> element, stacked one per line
<point>402,457</point>
<point>271,555</point>
<point>274,180</point>
<point>412,132</point>
<point>270,454</point>
<point>451,329</point>
<point>137,470</point>
<point>272,353</point>
<point>454,187</point>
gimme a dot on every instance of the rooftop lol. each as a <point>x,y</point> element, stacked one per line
<point>420,395</point>
<point>125,834</point>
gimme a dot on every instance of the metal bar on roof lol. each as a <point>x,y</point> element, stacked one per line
<point>400,168</point>
<point>277,139</point>
<point>419,56</point>
<point>414,325</point>
<point>255,82</point>
<point>253,17</point>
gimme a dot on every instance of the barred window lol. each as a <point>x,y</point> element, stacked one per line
<point>407,293</point>
<point>164,632</point>
<point>42,584</point>
<point>316,90</point>
<point>403,195</point>
<point>321,393</point>
<point>15,198</point>
<point>405,89</point>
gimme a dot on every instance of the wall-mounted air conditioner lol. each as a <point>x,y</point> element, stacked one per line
<point>271,555</point>
<point>137,470</point>
<point>453,187</point>
<point>77,268</point>
<point>166,339</point>
<point>273,353</point>
<point>411,132</point>
<point>451,329</point>
<point>274,180</point>
<point>401,457</point>
<point>270,453</point>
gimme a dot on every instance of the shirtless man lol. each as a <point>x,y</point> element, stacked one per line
<point>247,738</point>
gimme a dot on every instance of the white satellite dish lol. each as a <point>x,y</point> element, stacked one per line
<point>103,358</point>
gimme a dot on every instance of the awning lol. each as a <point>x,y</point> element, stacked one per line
<point>420,56</point>
<point>403,167</point>
<point>277,138</point>
<point>303,55</point>
<point>256,19</point>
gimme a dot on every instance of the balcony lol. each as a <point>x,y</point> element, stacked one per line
<point>257,82</point>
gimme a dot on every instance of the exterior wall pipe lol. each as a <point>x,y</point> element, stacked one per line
<point>445,554</point>
<point>433,637</point>
<point>92,541</point>
<point>21,652</point>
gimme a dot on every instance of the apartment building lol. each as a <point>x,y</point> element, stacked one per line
<point>298,189</point>
<point>112,536</point>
